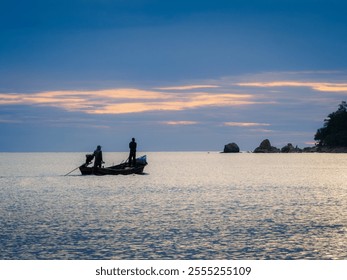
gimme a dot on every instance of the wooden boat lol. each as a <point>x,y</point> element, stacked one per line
<point>119,169</point>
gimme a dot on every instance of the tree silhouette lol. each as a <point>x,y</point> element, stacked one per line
<point>334,131</point>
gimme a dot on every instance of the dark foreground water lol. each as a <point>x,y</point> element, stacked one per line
<point>194,205</point>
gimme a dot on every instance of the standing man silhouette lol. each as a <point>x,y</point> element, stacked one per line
<point>97,158</point>
<point>132,155</point>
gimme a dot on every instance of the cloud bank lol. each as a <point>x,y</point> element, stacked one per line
<point>318,86</point>
<point>125,100</point>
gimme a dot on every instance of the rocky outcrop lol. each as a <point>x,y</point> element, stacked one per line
<point>310,150</point>
<point>265,147</point>
<point>318,149</point>
<point>289,148</point>
<point>231,148</point>
<point>331,149</point>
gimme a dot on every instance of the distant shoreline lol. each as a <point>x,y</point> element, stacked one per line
<point>265,147</point>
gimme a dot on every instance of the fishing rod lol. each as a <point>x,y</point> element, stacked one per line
<point>72,170</point>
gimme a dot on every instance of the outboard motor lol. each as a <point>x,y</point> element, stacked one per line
<point>89,159</point>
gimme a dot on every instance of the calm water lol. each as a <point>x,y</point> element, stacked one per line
<point>187,206</point>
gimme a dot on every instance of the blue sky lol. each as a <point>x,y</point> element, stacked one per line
<point>177,75</point>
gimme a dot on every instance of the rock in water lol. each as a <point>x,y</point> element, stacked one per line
<point>231,148</point>
<point>265,147</point>
<point>289,148</point>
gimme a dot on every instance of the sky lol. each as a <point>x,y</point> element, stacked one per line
<point>176,75</point>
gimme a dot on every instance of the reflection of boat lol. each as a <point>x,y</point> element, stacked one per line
<point>120,169</point>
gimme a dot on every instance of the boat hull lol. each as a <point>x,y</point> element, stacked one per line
<point>120,169</point>
<point>111,171</point>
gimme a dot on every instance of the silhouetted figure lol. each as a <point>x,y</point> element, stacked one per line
<point>132,155</point>
<point>98,157</point>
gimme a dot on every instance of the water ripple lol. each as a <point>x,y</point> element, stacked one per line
<point>230,207</point>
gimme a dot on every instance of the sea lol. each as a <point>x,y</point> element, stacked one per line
<point>186,206</point>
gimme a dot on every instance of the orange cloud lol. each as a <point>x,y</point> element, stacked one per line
<point>245,124</point>
<point>122,101</point>
<point>319,86</point>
